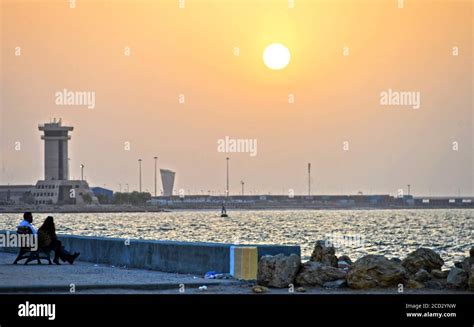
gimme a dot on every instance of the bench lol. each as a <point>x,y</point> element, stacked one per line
<point>30,254</point>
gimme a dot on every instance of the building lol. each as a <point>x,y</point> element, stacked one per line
<point>167,179</point>
<point>101,192</point>
<point>56,137</point>
<point>11,194</point>
<point>55,188</point>
<point>63,192</point>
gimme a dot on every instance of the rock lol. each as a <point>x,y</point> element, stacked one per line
<point>345,258</point>
<point>466,264</point>
<point>316,274</point>
<point>375,271</point>
<point>336,284</point>
<point>259,289</point>
<point>343,265</point>
<point>470,281</point>
<point>324,254</point>
<point>457,278</point>
<point>435,284</point>
<point>397,260</point>
<point>422,258</point>
<point>414,284</point>
<point>278,271</point>
<point>301,289</point>
<point>471,252</point>
<point>422,276</point>
<point>441,274</point>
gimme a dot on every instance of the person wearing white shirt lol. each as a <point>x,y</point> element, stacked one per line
<point>28,222</point>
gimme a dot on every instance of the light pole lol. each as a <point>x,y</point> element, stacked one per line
<point>156,158</point>
<point>120,187</point>
<point>128,193</point>
<point>309,178</point>
<point>82,172</point>
<point>140,175</point>
<point>408,189</point>
<point>227,188</point>
<point>243,183</point>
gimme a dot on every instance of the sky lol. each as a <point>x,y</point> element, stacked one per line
<point>173,79</point>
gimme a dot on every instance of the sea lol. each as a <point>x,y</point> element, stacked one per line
<point>393,233</point>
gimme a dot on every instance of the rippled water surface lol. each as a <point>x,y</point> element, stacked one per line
<point>393,233</point>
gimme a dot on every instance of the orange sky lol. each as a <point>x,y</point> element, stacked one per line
<point>190,51</point>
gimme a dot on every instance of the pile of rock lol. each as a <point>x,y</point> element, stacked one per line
<point>462,275</point>
<point>321,270</point>
<point>420,269</point>
<point>424,269</point>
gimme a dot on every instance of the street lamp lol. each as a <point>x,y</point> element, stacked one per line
<point>156,158</point>
<point>309,178</point>
<point>140,175</point>
<point>227,188</point>
<point>82,172</point>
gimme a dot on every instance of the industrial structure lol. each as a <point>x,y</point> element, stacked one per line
<point>56,187</point>
<point>167,179</point>
<point>56,137</point>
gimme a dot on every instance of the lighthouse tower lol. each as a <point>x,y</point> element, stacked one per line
<point>56,187</point>
<point>56,137</point>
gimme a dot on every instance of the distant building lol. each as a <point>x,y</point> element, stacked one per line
<point>100,191</point>
<point>63,192</point>
<point>56,137</point>
<point>11,194</point>
<point>167,179</point>
<point>55,188</point>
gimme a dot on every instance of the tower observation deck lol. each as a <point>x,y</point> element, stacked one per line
<point>56,162</point>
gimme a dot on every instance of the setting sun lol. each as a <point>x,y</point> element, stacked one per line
<point>276,56</point>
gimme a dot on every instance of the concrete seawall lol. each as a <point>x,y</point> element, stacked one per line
<point>166,256</point>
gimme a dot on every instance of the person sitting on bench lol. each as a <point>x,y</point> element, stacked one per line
<point>47,239</point>
<point>26,252</point>
<point>28,222</point>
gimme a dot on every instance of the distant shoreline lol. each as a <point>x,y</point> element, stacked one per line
<point>229,207</point>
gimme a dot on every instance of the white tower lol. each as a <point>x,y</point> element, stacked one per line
<point>56,163</point>
<point>167,178</point>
